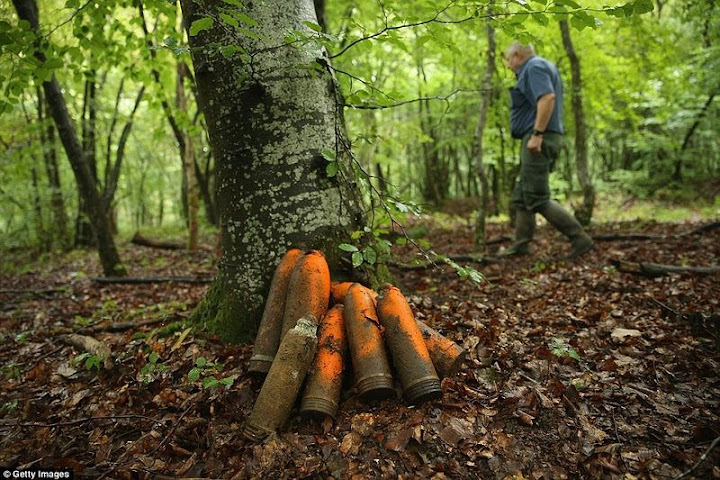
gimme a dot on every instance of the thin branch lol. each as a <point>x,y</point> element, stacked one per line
<point>703,457</point>
<point>112,181</point>
<point>146,280</point>
<point>179,137</point>
<point>354,77</point>
<point>111,129</point>
<point>386,29</point>
<point>414,100</point>
<point>81,420</point>
<point>435,19</point>
<point>71,18</point>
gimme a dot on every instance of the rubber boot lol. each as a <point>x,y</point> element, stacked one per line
<point>559,218</point>
<point>524,230</point>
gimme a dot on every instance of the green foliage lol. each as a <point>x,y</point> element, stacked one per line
<point>10,371</point>
<point>90,361</point>
<point>207,372</point>
<point>22,337</point>
<point>202,24</point>
<point>463,272</point>
<point>560,348</point>
<point>151,368</point>
<point>539,266</point>
<point>8,407</point>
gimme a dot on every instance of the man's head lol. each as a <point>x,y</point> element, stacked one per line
<point>517,54</point>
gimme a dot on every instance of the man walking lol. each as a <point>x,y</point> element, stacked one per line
<point>536,107</point>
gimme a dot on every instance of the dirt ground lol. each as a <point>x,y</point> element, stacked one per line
<point>574,370</point>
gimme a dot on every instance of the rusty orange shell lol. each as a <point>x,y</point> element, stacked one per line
<point>308,290</point>
<point>324,385</point>
<point>338,291</point>
<point>447,356</point>
<point>407,347</point>
<point>371,368</point>
<point>268,336</point>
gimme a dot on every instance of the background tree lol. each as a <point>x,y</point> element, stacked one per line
<point>477,148</point>
<point>584,213</point>
<point>96,208</point>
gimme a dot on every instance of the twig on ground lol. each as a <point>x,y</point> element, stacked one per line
<point>656,269</point>
<point>80,420</point>
<point>703,457</point>
<point>144,280</point>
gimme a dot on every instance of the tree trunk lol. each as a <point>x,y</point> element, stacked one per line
<point>52,169</point>
<point>584,213</point>
<point>109,257</point>
<point>83,226</point>
<point>320,13</point>
<point>436,175</point>
<point>477,148</point>
<point>268,123</point>
<point>205,181</point>
<point>112,169</point>
<point>677,174</point>
<point>188,158</point>
<point>40,231</point>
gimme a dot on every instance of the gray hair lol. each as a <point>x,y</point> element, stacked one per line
<point>524,50</point>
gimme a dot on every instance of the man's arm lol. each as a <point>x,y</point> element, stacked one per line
<point>545,107</point>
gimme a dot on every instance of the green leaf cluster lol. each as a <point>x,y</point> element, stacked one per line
<point>207,372</point>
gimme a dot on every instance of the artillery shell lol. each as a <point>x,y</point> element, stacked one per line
<point>407,347</point>
<point>371,368</point>
<point>284,380</point>
<point>267,339</point>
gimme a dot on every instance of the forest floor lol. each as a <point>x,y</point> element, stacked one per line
<point>574,370</point>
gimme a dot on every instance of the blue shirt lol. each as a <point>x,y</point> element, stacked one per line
<point>535,78</point>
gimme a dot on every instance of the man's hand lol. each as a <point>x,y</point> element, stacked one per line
<point>534,144</point>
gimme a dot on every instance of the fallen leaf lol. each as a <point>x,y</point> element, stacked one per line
<point>456,430</point>
<point>351,444</point>
<point>619,334</point>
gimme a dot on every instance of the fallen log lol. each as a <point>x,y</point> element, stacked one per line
<point>609,237</point>
<point>144,280</point>
<point>656,269</point>
<point>139,239</point>
<point>90,345</point>
<point>704,228</point>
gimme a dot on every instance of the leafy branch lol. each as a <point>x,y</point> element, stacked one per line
<point>443,98</point>
<point>555,8</point>
<point>71,17</point>
<point>388,28</point>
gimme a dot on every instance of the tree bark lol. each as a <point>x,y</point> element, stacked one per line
<point>88,123</point>
<point>320,13</point>
<point>188,160</point>
<point>40,231</point>
<point>205,181</point>
<point>109,257</point>
<point>677,174</point>
<point>477,148</point>
<point>112,169</point>
<point>52,169</point>
<point>268,122</point>
<point>436,175</point>
<point>584,213</point>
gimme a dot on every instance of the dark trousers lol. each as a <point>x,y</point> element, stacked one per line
<point>532,190</point>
